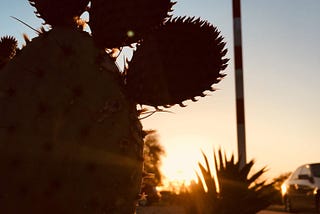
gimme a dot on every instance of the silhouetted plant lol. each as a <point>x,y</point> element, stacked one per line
<point>153,151</point>
<point>70,136</point>
<point>234,190</point>
<point>8,48</point>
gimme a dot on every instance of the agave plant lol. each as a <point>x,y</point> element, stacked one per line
<point>70,136</point>
<point>233,190</point>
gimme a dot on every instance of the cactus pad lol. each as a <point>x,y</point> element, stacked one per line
<point>116,23</point>
<point>70,142</point>
<point>176,62</point>
<point>59,12</point>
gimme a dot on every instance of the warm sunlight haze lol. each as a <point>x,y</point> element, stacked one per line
<point>281,62</point>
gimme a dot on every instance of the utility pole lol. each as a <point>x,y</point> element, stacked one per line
<point>237,39</point>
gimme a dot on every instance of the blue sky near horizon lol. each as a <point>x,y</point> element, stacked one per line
<point>281,54</point>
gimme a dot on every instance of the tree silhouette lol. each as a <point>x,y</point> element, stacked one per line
<point>153,151</point>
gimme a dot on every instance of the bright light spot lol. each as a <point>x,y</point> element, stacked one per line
<point>180,164</point>
<point>130,33</point>
<point>283,189</point>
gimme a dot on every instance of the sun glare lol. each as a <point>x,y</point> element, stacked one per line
<point>180,165</point>
<point>179,176</point>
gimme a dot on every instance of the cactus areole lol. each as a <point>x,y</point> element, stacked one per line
<point>70,137</point>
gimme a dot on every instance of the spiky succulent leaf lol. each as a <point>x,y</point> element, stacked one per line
<point>116,23</point>
<point>208,179</point>
<point>256,176</point>
<point>59,12</point>
<point>8,48</point>
<point>235,182</point>
<point>206,172</point>
<point>244,171</point>
<point>199,187</point>
<point>176,62</point>
<point>238,193</point>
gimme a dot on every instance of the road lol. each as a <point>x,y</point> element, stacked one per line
<point>271,212</point>
<point>278,212</point>
<point>180,210</point>
<point>278,209</point>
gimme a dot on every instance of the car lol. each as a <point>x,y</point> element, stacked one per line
<point>301,191</point>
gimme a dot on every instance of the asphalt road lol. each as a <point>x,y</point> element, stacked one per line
<point>278,209</point>
<point>271,212</point>
<point>179,210</point>
<point>278,212</point>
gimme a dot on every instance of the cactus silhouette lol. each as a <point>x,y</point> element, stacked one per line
<point>70,136</point>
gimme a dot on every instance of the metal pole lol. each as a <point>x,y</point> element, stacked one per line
<point>241,131</point>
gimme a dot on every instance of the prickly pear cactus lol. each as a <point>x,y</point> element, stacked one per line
<point>70,137</point>
<point>70,140</point>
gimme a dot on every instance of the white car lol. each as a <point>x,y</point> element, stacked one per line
<point>301,191</point>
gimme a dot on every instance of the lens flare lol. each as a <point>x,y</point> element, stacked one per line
<point>130,33</point>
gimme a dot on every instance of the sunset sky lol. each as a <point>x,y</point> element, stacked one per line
<point>281,50</point>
